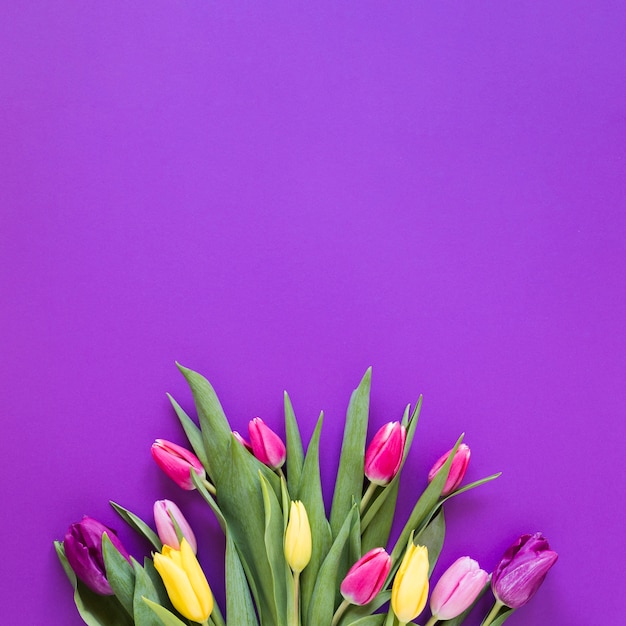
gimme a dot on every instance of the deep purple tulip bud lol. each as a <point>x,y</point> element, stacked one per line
<point>177,462</point>
<point>166,517</point>
<point>366,577</point>
<point>83,549</point>
<point>522,570</point>
<point>457,588</point>
<point>384,454</point>
<point>242,441</point>
<point>457,469</point>
<point>267,446</point>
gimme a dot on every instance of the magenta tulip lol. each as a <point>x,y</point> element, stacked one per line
<point>457,469</point>
<point>384,454</point>
<point>522,570</point>
<point>166,517</point>
<point>83,549</point>
<point>267,446</point>
<point>457,588</point>
<point>366,577</point>
<point>242,441</point>
<point>177,462</point>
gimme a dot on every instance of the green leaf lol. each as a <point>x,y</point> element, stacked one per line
<point>295,454</point>
<point>422,510</point>
<point>144,588</point>
<point>157,582</point>
<point>355,612</point>
<point>274,542</point>
<point>370,620</point>
<point>95,610</point>
<point>216,432</point>
<point>209,499</point>
<point>239,606</point>
<point>194,435</point>
<point>120,574</point>
<point>349,483</point>
<point>310,493</point>
<point>137,524</point>
<point>473,485</point>
<point>503,615</point>
<point>432,537</point>
<point>165,617</point>
<point>322,605</point>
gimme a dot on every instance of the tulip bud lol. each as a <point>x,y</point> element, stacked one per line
<point>522,570</point>
<point>410,585</point>
<point>457,588</point>
<point>83,549</point>
<point>366,577</point>
<point>457,468</point>
<point>267,446</point>
<point>185,582</point>
<point>177,462</point>
<point>168,518</point>
<point>384,454</point>
<point>298,538</point>
<point>242,441</point>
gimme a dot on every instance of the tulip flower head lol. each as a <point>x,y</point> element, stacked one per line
<point>457,588</point>
<point>242,441</point>
<point>169,519</point>
<point>457,468</point>
<point>410,585</point>
<point>366,577</point>
<point>83,550</point>
<point>267,446</point>
<point>298,538</point>
<point>522,569</point>
<point>384,454</point>
<point>177,462</point>
<point>185,582</point>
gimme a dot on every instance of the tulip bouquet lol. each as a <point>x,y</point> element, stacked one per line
<point>286,562</point>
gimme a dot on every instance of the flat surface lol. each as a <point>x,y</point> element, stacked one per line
<point>279,196</point>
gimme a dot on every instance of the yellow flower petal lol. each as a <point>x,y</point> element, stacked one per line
<point>410,586</point>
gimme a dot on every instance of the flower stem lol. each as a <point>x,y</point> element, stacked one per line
<point>432,621</point>
<point>492,614</point>
<point>339,612</point>
<point>210,487</point>
<point>296,599</point>
<point>367,497</point>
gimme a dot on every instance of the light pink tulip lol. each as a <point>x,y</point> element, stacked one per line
<point>177,462</point>
<point>457,469</point>
<point>384,454</point>
<point>267,446</point>
<point>164,511</point>
<point>366,577</point>
<point>457,588</point>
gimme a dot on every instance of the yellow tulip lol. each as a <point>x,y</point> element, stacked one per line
<point>410,586</point>
<point>185,582</point>
<point>298,538</point>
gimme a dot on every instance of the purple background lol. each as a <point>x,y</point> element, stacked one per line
<point>279,195</point>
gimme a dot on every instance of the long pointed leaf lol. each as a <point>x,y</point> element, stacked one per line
<point>144,588</point>
<point>239,606</point>
<point>137,524</point>
<point>295,453</point>
<point>165,617</point>
<point>119,573</point>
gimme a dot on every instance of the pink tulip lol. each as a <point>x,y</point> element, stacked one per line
<point>242,441</point>
<point>384,454</point>
<point>457,469</point>
<point>267,446</point>
<point>177,462</point>
<point>166,517</point>
<point>457,589</point>
<point>366,577</point>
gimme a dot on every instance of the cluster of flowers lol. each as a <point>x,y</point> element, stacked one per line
<point>96,561</point>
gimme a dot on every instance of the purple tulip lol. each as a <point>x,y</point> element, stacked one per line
<point>164,511</point>
<point>177,462</point>
<point>366,577</point>
<point>457,469</point>
<point>522,570</point>
<point>267,446</point>
<point>457,588</point>
<point>384,454</point>
<point>83,549</point>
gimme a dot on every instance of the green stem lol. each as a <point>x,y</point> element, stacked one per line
<point>210,487</point>
<point>492,614</point>
<point>296,599</point>
<point>432,621</point>
<point>339,612</point>
<point>367,497</point>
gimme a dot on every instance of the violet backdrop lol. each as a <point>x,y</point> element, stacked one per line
<point>279,195</point>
